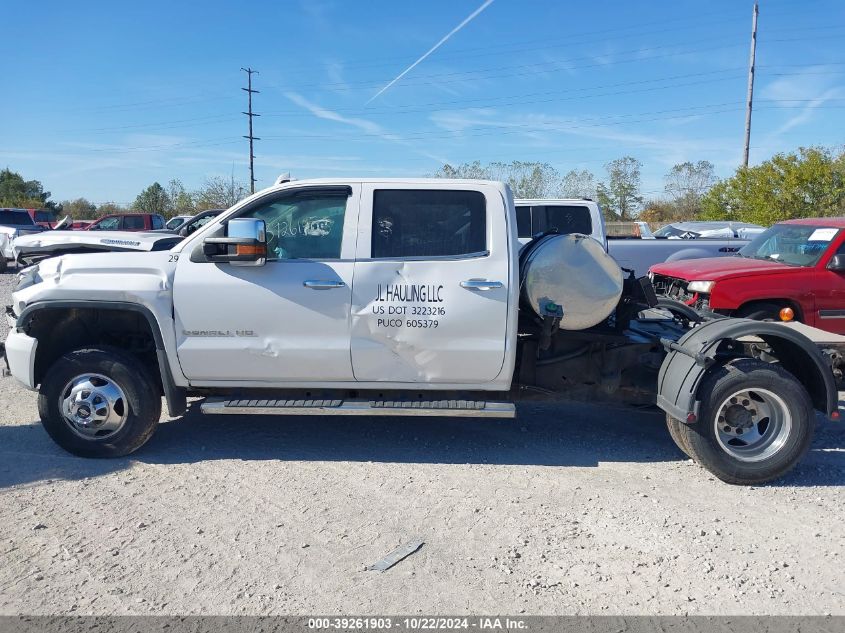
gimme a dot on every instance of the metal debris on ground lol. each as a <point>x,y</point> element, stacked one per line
<point>401,552</point>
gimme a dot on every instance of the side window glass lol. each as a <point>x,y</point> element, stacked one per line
<point>109,224</point>
<point>428,223</point>
<point>133,222</point>
<point>304,226</point>
<point>158,222</point>
<point>523,222</point>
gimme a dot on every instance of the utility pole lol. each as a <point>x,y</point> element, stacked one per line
<point>750,84</point>
<point>250,114</point>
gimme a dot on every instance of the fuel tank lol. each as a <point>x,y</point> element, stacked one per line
<point>570,277</point>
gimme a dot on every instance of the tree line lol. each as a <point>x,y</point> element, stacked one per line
<point>173,199</point>
<point>807,182</point>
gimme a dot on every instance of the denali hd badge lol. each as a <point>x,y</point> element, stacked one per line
<point>218,333</point>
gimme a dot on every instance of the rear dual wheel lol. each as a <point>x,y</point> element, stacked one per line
<point>756,422</point>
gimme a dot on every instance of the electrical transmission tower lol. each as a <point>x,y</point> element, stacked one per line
<point>250,114</point>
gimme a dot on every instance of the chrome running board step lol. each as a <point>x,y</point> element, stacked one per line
<point>463,408</point>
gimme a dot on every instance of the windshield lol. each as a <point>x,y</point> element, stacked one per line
<point>9,217</point>
<point>175,223</point>
<point>793,244</point>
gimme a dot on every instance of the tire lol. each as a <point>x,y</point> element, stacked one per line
<point>111,396</point>
<point>760,312</point>
<point>756,423</point>
<point>675,431</point>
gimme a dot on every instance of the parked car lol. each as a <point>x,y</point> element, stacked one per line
<point>629,230</point>
<point>176,221</point>
<point>29,249</point>
<point>13,223</point>
<point>566,215</point>
<point>127,222</point>
<point>714,229</point>
<point>198,221</point>
<point>581,215</point>
<point>794,270</point>
<point>45,218</point>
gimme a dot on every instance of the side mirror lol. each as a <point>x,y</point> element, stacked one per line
<point>837,263</point>
<point>245,244</point>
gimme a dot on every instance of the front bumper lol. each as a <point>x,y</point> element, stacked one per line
<point>19,354</point>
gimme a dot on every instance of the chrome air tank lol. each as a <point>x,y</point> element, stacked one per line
<point>572,277</point>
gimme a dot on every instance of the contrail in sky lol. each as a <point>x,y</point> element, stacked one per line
<point>466,21</point>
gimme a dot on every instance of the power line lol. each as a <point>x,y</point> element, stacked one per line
<point>250,114</point>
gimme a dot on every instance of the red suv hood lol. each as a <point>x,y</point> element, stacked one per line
<point>717,268</point>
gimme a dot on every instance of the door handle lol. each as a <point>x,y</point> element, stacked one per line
<point>322,284</point>
<point>480,284</point>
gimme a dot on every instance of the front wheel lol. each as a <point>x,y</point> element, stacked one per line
<point>756,423</point>
<point>99,402</point>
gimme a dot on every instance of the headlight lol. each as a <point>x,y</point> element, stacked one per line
<point>27,277</point>
<point>701,286</point>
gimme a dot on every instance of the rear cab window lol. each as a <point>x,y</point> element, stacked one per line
<point>566,218</point>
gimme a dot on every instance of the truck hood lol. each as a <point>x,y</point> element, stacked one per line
<point>718,268</point>
<point>101,240</point>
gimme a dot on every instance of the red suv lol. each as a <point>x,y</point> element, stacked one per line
<point>794,270</point>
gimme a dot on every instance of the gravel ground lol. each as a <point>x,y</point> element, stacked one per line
<point>568,510</point>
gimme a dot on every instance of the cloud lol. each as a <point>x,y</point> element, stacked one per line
<point>442,41</point>
<point>370,127</point>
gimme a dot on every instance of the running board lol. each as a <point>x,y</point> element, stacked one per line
<point>451,408</point>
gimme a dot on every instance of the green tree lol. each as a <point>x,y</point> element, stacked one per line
<point>153,199</point>
<point>17,192</point>
<point>108,208</point>
<point>80,209</point>
<point>526,179</point>
<point>620,195</point>
<point>181,202</point>
<point>220,193</point>
<point>806,183</point>
<point>686,185</point>
<point>578,184</point>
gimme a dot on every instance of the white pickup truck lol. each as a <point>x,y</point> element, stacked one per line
<point>581,215</point>
<point>396,297</point>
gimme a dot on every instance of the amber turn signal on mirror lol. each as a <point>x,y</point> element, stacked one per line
<point>251,249</point>
<point>787,314</point>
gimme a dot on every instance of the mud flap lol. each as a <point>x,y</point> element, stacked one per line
<point>689,360</point>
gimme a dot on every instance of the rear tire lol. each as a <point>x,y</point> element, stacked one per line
<point>756,423</point>
<point>675,431</point>
<point>99,402</point>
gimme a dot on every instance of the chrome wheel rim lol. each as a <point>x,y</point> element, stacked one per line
<point>93,406</point>
<point>753,424</point>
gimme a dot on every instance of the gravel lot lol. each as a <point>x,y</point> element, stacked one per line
<point>568,510</point>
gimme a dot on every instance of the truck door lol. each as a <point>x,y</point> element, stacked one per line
<point>286,321</point>
<point>830,293</point>
<point>430,297</point>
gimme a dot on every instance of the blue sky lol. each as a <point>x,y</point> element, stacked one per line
<point>103,98</point>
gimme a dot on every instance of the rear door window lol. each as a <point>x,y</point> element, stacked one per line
<point>158,222</point>
<point>428,223</point>
<point>133,222</point>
